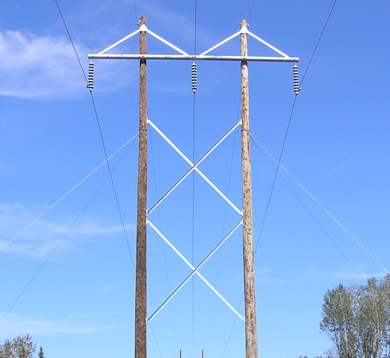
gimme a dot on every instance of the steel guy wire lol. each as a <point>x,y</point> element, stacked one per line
<point>112,179</point>
<point>285,137</point>
<point>162,243</point>
<point>231,332</point>
<point>224,220</point>
<point>48,257</point>
<point>62,238</point>
<point>323,208</point>
<point>275,176</point>
<point>242,296</point>
<point>68,192</point>
<point>155,340</point>
<point>257,144</point>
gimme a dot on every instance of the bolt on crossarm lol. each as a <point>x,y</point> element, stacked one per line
<point>249,271</point>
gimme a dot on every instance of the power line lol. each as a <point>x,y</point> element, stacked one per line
<point>250,13</point>
<point>284,142</point>
<point>275,176</point>
<point>62,238</point>
<point>193,225</point>
<point>67,193</point>
<point>136,11</point>
<point>155,340</point>
<point>231,332</point>
<point>70,38</point>
<point>100,131</point>
<point>112,179</point>
<point>323,208</point>
<point>288,125</point>
<point>224,222</point>
<point>195,25</point>
<point>257,144</point>
<point>193,182</point>
<point>318,42</point>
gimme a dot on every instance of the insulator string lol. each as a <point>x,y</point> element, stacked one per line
<point>90,76</point>
<point>297,87</point>
<point>194,77</point>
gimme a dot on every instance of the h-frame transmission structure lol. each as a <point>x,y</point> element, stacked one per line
<point>141,319</point>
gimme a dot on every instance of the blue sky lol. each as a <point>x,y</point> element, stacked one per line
<point>81,303</point>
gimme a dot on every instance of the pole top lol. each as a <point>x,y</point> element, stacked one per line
<point>142,20</point>
<point>243,23</point>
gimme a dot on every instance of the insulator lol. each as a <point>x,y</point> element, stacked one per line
<point>194,77</point>
<point>90,76</point>
<point>297,88</point>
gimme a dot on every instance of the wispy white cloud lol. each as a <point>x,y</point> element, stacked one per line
<point>346,273</point>
<point>15,325</point>
<point>263,275</point>
<point>46,67</point>
<point>349,274</point>
<point>32,66</point>
<point>109,288</point>
<point>343,166</point>
<point>40,239</point>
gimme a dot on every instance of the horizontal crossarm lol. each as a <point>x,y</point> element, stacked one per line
<point>192,58</point>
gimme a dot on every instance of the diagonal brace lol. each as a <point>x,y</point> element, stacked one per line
<point>194,270</point>
<point>194,166</point>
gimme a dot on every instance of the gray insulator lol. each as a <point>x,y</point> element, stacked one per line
<point>297,88</point>
<point>194,76</point>
<point>90,76</point>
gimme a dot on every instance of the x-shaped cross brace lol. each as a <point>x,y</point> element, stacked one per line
<point>194,269</point>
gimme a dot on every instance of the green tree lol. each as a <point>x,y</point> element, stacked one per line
<point>6,350</point>
<point>339,322</point>
<point>20,347</point>
<point>385,287</point>
<point>371,318</point>
<point>357,319</point>
<point>41,354</point>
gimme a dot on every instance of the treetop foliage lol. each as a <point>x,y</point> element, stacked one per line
<point>357,319</point>
<point>19,347</point>
<point>41,354</point>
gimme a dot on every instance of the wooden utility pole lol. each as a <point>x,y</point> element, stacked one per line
<point>249,277</point>
<point>249,271</point>
<point>140,290</point>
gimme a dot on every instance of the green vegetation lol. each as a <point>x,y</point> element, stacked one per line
<point>19,347</point>
<point>357,319</point>
<point>41,354</point>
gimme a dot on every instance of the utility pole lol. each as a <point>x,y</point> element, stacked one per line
<point>141,284</point>
<point>247,221</point>
<point>247,227</point>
